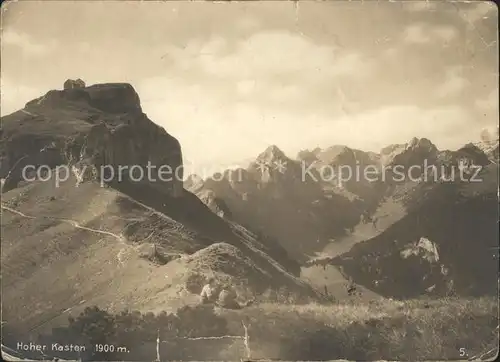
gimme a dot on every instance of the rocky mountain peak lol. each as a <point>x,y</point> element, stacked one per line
<point>316,150</point>
<point>331,153</point>
<point>308,156</point>
<point>100,126</point>
<point>272,153</point>
<point>421,143</point>
<point>489,143</point>
<point>473,154</point>
<point>390,149</point>
<point>414,152</point>
<point>193,183</point>
<point>112,98</point>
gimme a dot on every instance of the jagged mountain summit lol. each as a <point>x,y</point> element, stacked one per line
<point>272,154</point>
<point>76,235</point>
<point>274,198</point>
<point>88,128</point>
<point>193,183</point>
<point>489,144</point>
<point>326,193</point>
<point>272,167</point>
<point>413,153</point>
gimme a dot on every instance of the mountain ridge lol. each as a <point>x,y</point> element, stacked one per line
<point>361,197</point>
<point>373,206</point>
<point>89,239</point>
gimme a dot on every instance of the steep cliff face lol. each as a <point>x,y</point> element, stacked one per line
<point>114,98</point>
<point>98,129</point>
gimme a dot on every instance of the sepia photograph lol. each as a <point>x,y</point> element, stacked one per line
<point>249,180</point>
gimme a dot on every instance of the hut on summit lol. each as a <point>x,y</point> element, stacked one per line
<point>71,84</point>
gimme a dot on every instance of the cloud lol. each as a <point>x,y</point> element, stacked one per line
<point>214,46</point>
<point>421,33</point>
<point>285,93</point>
<point>391,52</point>
<point>270,92</point>
<point>489,103</point>
<point>445,32</point>
<point>26,43</point>
<point>220,129</point>
<point>416,34</point>
<point>15,96</point>
<point>269,54</point>
<point>84,47</point>
<point>246,86</point>
<point>448,127</point>
<point>226,100</point>
<point>454,83</point>
<point>274,68</point>
<point>247,23</point>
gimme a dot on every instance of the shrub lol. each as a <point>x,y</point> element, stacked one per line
<point>134,330</point>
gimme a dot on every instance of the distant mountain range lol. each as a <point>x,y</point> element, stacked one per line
<point>317,216</point>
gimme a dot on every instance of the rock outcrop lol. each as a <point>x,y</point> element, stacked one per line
<point>101,126</point>
<point>415,152</point>
<point>193,183</point>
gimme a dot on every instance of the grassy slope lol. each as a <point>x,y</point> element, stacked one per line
<point>388,212</point>
<point>50,265</point>
<point>382,329</point>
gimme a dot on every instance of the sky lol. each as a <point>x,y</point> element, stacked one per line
<point>228,79</point>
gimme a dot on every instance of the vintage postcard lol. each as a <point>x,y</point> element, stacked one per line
<point>249,180</point>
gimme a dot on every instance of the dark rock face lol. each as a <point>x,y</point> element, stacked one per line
<point>114,98</point>
<point>272,198</point>
<point>471,154</point>
<point>142,150</point>
<point>415,153</point>
<point>193,183</point>
<point>102,126</point>
<point>214,203</point>
<point>463,232</point>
